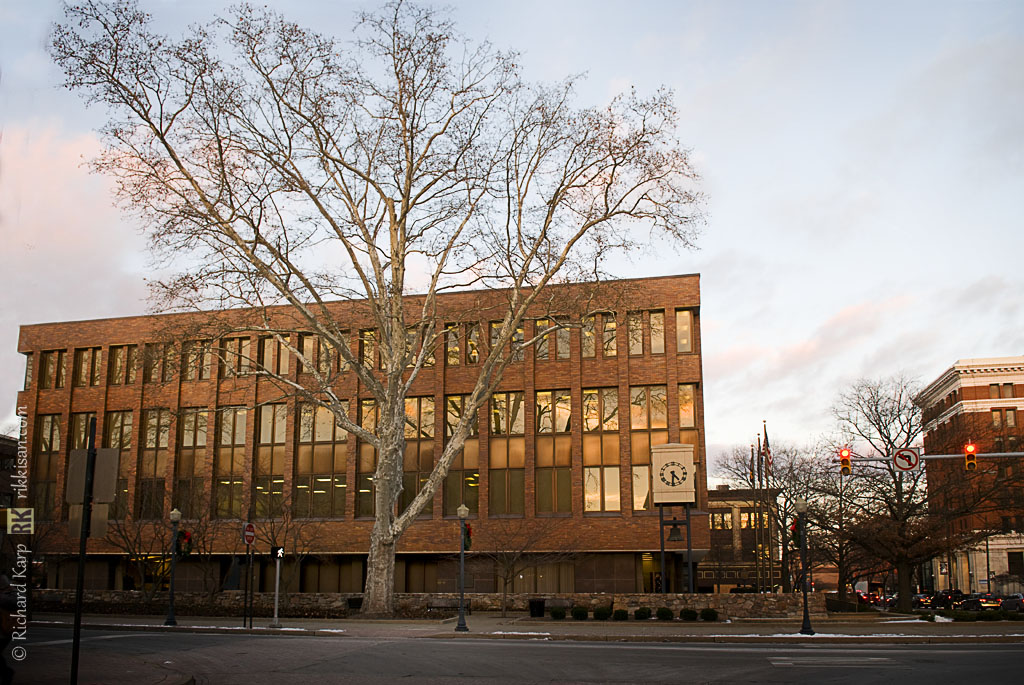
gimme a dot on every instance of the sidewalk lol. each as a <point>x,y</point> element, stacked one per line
<point>883,629</point>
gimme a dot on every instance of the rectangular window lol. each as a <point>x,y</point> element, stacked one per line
<point>235,358</point>
<point>87,367</point>
<point>997,421</point>
<point>684,330</point>
<point>268,479</point>
<point>635,332</point>
<point>1011,418</point>
<point>553,452</point>
<point>28,372</point>
<point>307,347</point>
<point>462,486</point>
<point>197,360</point>
<point>588,337</point>
<point>117,434</point>
<point>507,446</point>
<point>687,405</point>
<point>188,467</point>
<point>993,391</point>
<point>601,449</point>
<point>609,346</point>
<point>1007,391</point>
<point>52,370</point>
<point>157,363</point>
<point>648,411</point>
<point>658,332</point>
<point>44,466</point>
<point>452,354</point>
<point>1015,563</point>
<point>367,465</point>
<point>542,345</point>
<point>80,430</point>
<point>419,450</point>
<point>472,343</point>
<point>153,463</point>
<point>121,364</point>
<point>273,354</point>
<point>320,481</point>
<point>368,348</point>
<point>229,463</point>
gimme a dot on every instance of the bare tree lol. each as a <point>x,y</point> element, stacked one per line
<point>515,545</point>
<point>147,547</point>
<point>297,535</point>
<point>904,519</point>
<point>275,165</point>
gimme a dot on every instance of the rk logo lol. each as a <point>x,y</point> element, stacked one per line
<point>20,522</point>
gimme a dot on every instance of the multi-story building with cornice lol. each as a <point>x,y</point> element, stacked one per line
<point>563,444</point>
<point>980,401</point>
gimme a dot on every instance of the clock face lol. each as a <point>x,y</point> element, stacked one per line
<point>673,474</point>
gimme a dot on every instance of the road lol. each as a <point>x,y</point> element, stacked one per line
<point>114,657</point>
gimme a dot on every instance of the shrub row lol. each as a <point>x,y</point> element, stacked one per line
<point>603,613</point>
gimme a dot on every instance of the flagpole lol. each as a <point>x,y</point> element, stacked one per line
<point>758,532</point>
<point>768,483</point>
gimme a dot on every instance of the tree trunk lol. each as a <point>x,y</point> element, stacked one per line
<point>904,579</point>
<point>379,595</point>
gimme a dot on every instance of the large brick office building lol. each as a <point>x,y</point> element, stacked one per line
<point>566,437</point>
<point>980,400</point>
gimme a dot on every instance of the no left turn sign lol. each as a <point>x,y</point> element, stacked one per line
<point>907,459</point>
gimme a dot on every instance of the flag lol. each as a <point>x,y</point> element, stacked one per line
<point>767,451</point>
<point>753,473</point>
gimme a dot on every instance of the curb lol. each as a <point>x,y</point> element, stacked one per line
<point>795,638</point>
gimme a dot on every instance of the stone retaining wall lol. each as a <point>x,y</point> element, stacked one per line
<point>336,605</point>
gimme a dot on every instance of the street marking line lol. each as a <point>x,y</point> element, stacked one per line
<point>84,639</point>
<point>816,661</point>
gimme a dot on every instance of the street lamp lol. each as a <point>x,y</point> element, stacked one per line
<point>175,520</point>
<point>463,512</point>
<point>801,510</point>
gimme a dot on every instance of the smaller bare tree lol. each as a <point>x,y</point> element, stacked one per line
<point>516,545</point>
<point>146,544</point>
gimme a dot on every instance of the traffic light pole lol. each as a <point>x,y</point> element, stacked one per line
<point>90,469</point>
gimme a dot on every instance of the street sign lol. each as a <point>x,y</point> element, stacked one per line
<point>277,552</point>
<point>907,459</point>
<point>249,533</point>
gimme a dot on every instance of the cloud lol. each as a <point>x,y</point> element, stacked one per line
<point>71,253</point>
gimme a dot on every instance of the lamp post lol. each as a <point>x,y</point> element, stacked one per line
<point>175,520</point>
<point>801,510</point>
<point>463,512</point>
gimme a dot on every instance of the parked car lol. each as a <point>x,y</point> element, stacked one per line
<point>1012,603</point>
<point>979,601</point>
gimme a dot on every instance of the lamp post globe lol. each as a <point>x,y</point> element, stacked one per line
<point>463,512</point>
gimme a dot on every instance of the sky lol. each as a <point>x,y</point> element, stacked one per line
<point>863,164</point>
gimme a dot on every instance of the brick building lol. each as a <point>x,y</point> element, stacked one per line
<point>738,537</point>
<point>202,430</point>
<point>979,401</point>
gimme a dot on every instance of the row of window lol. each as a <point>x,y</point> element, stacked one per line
<point>747,519</point>
<point>321,455</point>
<point>198,359</point>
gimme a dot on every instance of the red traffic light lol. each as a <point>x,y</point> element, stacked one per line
<point>844,453</point>
<point>970,456</point>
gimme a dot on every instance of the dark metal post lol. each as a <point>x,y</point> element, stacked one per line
<point>689,551</point>
<point>661,534</point>
<point>90,468</point>
<point>245,588</point>
<point>805,629</point>
<point>175,518</point>
<point>252,584</point>
<point>461,626</point>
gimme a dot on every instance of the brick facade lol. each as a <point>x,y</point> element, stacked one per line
<point>604,534</point>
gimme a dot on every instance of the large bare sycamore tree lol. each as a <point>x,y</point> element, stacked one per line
<point>274,165</point>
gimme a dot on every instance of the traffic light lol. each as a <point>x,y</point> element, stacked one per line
<point>845,467</point>
<point>970,456</point>
<point>467,536</point>
<point>794,533</point>
<point>183,545</point>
